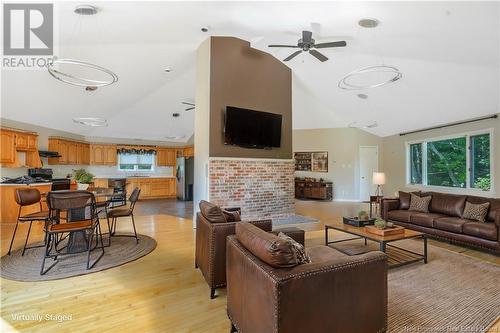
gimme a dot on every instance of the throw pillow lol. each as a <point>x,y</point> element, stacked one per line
<point>300,251</point>
<point>404,199</point>
<point>476,212</point>
<point>211,212</point>
<point>231,216</point>
<point>420,204</point>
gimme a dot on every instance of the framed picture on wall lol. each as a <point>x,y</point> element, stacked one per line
<point>320,161</point>
<point>303,161</point>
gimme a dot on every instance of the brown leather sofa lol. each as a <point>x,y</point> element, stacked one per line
<point>334,293</point>
<point>444,219</point>
<point>210,252</point>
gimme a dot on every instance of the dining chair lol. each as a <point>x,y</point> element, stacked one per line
<point>81,217</point>
<point>27,197</point>
<point>115,213</point>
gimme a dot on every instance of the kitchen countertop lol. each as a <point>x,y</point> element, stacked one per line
<point>32,184</point>
<point>132,177</point>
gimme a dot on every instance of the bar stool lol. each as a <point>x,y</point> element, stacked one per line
<point>26,197</point>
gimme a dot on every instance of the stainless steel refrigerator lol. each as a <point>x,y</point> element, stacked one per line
<point>185,177</point>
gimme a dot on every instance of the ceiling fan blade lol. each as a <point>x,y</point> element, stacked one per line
<point>187,103</point>
<point>189,109</point>
<point>331,44</point>
<point>293,55</point>
<point>318,55</point>
<point>306,36</point>
<point>277,45</point>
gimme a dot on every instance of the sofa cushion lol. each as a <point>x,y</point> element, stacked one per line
<point>476,212</point>
<point>494,205</point>
<point>453,224</point>
<point>404,199</point>
<point>299,249</point>
<point>321,253</point>
<point>269,248</point>
<point>448,204</point>
<point>211,212</point>
<point>420,204</point>
<point>425,219</point>
<point>399,215</point>
<point>482,230</point>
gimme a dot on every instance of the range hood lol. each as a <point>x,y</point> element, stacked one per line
<point>46,153</point>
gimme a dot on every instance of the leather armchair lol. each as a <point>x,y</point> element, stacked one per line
<point>335,293</point>
<point>210,252</point>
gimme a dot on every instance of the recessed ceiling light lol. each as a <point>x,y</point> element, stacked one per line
<point>85,10</point>
<point>368,124</point>
<point>91,121</point>
<point>175,114</point>
<point>168,69</point>
<point>91,88</point>
<point>368,23</point>
<point>362,96</point>
<point>204,29</point>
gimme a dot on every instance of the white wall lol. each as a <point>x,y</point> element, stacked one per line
<point>342,145</point>
<point>201,124</point>
<point>394,157</point>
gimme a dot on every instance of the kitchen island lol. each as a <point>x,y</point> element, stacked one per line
<point>10,209</point>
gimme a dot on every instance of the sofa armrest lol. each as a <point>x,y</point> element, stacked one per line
<point>350,287</point>
<point>388,205</point>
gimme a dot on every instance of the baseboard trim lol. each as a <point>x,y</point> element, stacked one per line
<point>347,200</point>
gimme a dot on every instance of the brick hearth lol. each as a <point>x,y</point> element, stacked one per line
<point>261,187</point>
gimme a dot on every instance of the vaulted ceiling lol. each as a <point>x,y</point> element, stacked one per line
<point>448,52</point>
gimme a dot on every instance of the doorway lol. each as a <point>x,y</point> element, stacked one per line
<point>368,164</point>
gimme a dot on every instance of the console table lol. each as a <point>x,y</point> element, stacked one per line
<point>313,190</point>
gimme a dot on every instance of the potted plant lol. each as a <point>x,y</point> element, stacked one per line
<point>363,215</point>
<point>380,224</point>
<point>83,178</point>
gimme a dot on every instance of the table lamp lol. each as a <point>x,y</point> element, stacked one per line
<point>379,180</point>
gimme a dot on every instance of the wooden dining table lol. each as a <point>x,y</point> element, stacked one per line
<point>77,240</point>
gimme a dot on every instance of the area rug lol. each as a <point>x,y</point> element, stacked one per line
<point>27,267</point>
<point>451,293</point>
<point>293,219</point>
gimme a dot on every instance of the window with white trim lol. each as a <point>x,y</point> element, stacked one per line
<point>136,162</point>
<point>462,161</point>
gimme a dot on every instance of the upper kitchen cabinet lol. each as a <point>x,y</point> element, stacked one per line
<point>13,143</point>
<point>189,151</point>
<point>71,152</point>
<point>166,157</point>
<point>8,145</point>
<point>101,154</point>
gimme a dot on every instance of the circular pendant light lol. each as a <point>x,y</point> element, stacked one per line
<point>81,73</point>
<point>108,77</point>
<point>91,121</point>
<point>394,75</point>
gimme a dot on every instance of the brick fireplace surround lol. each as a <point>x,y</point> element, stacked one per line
<point>261,187</point>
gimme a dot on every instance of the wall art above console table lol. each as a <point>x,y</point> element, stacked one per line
<point>316,161</point>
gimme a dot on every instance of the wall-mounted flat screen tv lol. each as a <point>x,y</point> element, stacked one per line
<point>252,129</point>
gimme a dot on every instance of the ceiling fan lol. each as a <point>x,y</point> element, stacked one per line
<point>190,106</point>
<point>307,44</point>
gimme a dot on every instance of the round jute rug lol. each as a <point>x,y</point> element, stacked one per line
<point>27,267</point>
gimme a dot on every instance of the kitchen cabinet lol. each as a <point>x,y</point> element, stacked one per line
<point>72,152</point>
<point>102,154</point>
<point>22,141</point>
<point>8,147</point>
<point>9,208</point>
<point>61,147</point>
<point>110,154</point>
<point>100,182</point>
<point>189,151</point>
<point>32,142</point>
<point>151,187</point>
<point>166,157</point>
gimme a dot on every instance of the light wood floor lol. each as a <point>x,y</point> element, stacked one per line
<point>161,292</point>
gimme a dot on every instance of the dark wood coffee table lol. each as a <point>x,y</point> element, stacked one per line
<point>397,256</point>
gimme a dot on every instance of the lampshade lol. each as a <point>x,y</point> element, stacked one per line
<point>378,178</point>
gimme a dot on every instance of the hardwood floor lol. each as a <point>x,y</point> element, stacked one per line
<point>161,292</point>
